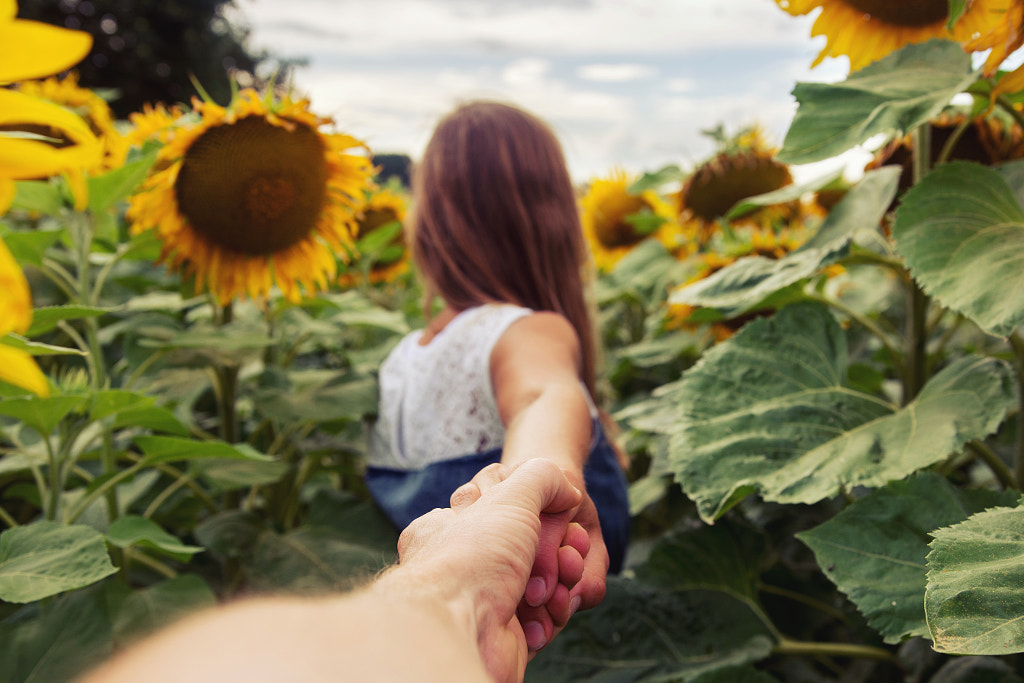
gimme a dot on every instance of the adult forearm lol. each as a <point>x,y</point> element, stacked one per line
<point>389,631</point>
<point>555,425</point>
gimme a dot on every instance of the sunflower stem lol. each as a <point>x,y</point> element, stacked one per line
<point>917,301</point>
<point>947,149</point>
<point>994,462</point>
<point>1006,105</point>
<point>1017,344</point>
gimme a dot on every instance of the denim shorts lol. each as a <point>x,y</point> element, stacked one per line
<point>404,495</point>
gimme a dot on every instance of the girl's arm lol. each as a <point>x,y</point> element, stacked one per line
<point>535,372</point>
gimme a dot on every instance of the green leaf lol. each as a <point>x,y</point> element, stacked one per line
<point>379,237</point>
<point>147,610</point>
<point>642,634</point>
<point>875,549</point>
<point>350,396</point>
<point>889,97</point>
<point>28,248</point>
<point>45,558</point>
<point>228,474</point>
<point>645,221</point>
<point>131,530</point>
<point>38,195</point>
<point>309,560</point>
<point>115,186</point>
<point>41,414</point>
<point>961,231</point>
<point>745,285</point>
<point>160,449</point>
<point>60,644</point>
<point>975,595</point>
<point>230,534</point>
<point>721,558</point>
<point>655,180</point>
<point>154,418</point>
<point>38,348</point>
<point>770,411</point>
<point>46,318</point>
<point>956,10</point>
<point>111,401</point>
<point>355,520</point>
<point>783,195</point>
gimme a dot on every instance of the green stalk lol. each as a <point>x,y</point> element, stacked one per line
<point>797,647</point>
<point>1017,344</point>
<point>947,148</point>
<point>994,462</point>
<point>101,490</point>
<point>7,519</point>
<point>916,369</point>
<point>53,500</point>
<point>156,565</point>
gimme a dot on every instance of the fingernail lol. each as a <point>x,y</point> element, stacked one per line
<point>536,589</point>
<point>534,633</point>
<point>574,605</point>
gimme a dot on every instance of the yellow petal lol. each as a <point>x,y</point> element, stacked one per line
<point>17,108</point>
<point>16,304</point>
<point>1010,83</point>
<point>8,10</point>
<point>24,159</point>
<point>32,49</point>
<point>20,369</point>
<point>7,191</point>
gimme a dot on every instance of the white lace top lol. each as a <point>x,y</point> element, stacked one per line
<point>436,401</point>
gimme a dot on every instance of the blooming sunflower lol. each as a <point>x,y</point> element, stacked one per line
<point>867,30</point>
<point>253,195</point>
<point>615,221</point>
<point>31,50</point>
<point>93,109</point>
<point>382,208</point>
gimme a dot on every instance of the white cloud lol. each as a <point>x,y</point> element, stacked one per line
<point>615,73</point>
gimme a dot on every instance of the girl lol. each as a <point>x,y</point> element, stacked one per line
<point>505,371</point>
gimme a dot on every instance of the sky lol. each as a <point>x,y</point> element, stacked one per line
<point>624,83</point>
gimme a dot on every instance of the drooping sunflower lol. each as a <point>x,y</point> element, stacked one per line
<point>382,210</point>
<point>744,167</point>
<point>867,30</point>
<point>32,50</point>
<point>254,195</point>
<point>615,221</point>
<point>93,109</point>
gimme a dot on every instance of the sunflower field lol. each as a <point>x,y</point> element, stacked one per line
<point>820,385</point>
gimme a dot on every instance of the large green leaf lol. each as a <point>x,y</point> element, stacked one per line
<point>28,248</point>
<point>975,595</point>
<point>41,414</point>
<point>745,284</point>
<point>890,97</point>
<point>132,530</point>
<point>45,558</point>
<point>38,348</point>
<point>961,231</point>
<point>38,195</point>
<point>46,318</point>
<point>770,410</point>
<point>146,610</point>
<point>639,633</point>
<point>875,549</point>
<point>228,474</point>
<point>349,395</point>
<point>115,186</point>
<point>170,448</point>
<point>62,642</point>
<point>309,560</point>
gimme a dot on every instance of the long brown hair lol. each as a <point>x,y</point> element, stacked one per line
<point>495,218</point>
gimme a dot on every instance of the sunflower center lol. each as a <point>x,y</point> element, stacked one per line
<point>612,228</point>
<point>375,218</point>
<point>253,187</point>
<point>903,12</point>
<point>717,185</point>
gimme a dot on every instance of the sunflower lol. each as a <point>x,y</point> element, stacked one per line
<point>91,107</point>
<point>867,30</point>
<point>615,221</point>
<point>16,366</point>
<point>382,209</point>
<point>740,171</point>
<point>253,195</point>
<point>32,50</point>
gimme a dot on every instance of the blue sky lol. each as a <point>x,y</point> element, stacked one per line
<point>628,83</point>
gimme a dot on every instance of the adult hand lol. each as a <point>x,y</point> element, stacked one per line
<point>483,549</point>
<point>570,569</point>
